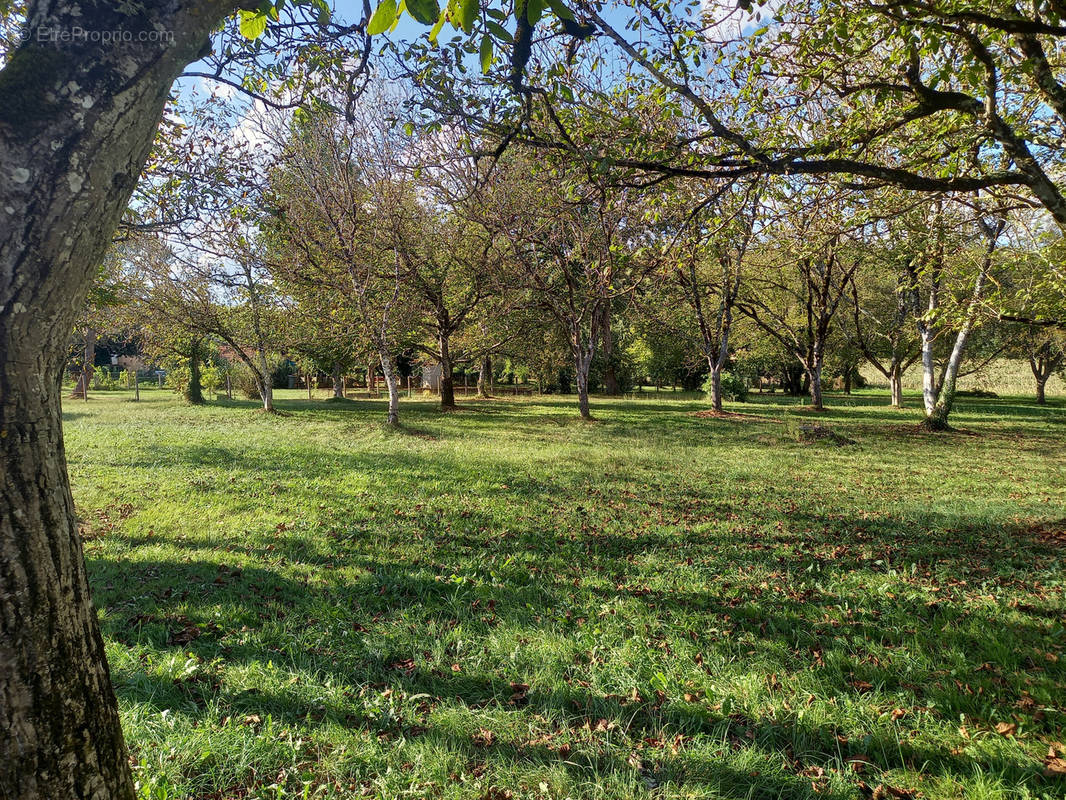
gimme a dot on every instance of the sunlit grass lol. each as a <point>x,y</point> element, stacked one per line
<point>507,600</point>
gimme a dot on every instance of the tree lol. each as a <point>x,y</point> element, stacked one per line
<point>575,247</point>
<point>806,270</point>
<point>709,270</point>
<point>76,124</point>
<point>445,266</point>
<point>948,254</point>
<point>333,198</point>
<point>928,95</point>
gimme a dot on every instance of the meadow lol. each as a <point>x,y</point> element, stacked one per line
<point>505,602</point>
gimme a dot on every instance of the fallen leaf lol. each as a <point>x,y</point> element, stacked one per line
<point>1006,728</point>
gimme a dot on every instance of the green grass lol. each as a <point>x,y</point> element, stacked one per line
<point>506,602</point>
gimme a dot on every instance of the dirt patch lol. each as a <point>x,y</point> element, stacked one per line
<point>822,433</point>
<point>710,413</point>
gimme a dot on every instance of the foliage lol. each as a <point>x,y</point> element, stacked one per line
<point>733,387</point>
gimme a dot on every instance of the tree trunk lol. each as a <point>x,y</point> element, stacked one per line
<point>447,379</point>
<point>847,378</point>
<point>815,386</point>
<point>266,382</point>
<point>194,392</point>
<point>338,381</point>
<point>814,375</point>
<point>1041,368</point>
<point>582,362</point>
<point>945,399</point>
<point>484,375</point>
<point>77,120</point>
<point>895,384</point>
<point>929,391</point>
<point>394,390</point>
<point>716,384</point>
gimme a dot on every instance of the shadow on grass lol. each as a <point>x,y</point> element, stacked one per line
<point>809,601</point>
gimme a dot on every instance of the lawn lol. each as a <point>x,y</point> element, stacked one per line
<point>505,602</point>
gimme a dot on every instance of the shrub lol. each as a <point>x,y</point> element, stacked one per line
<point>733,387</point>
<point>102,379</point>
<point>244,383</point>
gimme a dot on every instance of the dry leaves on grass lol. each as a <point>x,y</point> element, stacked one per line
<point>1055,761</point>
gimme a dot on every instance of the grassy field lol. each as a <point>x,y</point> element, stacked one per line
<point>507,603</point>
<point>1010,376</point>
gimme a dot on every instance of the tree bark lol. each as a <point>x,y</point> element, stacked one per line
<point>265,379</point>
<point>484,376</point>
<point>895,384</point>
<point>929,391</point>
<point>716,385</point>
<point>1042,366</point>
<point>447,379</point>
<point>582,363</point>
<point>392,383</point>
<point>937,419</point>
<point>194,391</point>
<point>814,373</point>
<point>77,119</point>
<point>338,381</point>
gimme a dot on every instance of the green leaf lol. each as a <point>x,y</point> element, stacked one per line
<point>500,32</point>
<point>468,14</point>
<point>534,10</point>
<point>560,10</point>
<point>435,30</point>
<point>425,11</point>
<point>324,12</point>
<point>253,24</point>
<point>383,17</point>
<point>486,53</point>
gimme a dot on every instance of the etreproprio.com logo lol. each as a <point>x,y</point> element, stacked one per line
<point>79,35</point>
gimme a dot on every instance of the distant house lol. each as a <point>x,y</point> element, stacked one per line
<point>431,373</point>
<point>127,363</point>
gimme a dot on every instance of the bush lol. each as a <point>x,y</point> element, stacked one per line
<point>244,383</point>
<point>733,387</point>
<point>102,379</point>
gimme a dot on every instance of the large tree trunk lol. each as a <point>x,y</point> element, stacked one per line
<point>484,377</point>
<point>76,123</point>
<point>194,392</point>
<point>582,362</point>
<point>937,418</point>
<point>929,390</point>
<point>716,384</point>
<point>895,384</point>
<point>447,379</point>
<point>338,381</point>
<point>814,374</point>
<point>1041,398</point>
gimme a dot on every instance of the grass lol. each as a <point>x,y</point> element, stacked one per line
<point>1010,376</point>
<point>508,603</point>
